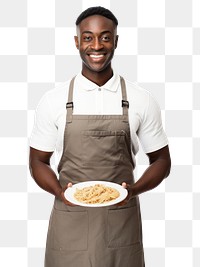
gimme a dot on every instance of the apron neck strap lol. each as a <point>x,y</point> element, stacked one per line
<point>125,103</point>
<point>70,105</point>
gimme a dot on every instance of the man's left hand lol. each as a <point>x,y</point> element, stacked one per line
<point>129,196</point>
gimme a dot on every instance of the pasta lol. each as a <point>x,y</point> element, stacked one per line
<point>96,194</point>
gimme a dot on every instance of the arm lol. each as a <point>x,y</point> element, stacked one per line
<point>160,164</point>
<point>43,174</point>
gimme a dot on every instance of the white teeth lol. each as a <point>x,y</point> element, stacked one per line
<point>96,56</point>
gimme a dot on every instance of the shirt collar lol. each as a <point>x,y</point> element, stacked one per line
<point>111,85</point>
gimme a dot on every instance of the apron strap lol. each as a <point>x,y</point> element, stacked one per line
<point>125,103</point>
<point>70,104</point>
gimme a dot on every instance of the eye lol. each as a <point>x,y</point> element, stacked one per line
<point>87,38</point>
<point>105,38</point>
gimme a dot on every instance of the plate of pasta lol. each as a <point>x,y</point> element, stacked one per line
<point>95,194</point>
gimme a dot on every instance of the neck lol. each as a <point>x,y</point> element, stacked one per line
<point>100,78</point>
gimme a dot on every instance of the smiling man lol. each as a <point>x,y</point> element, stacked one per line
<point>94,122</point>
<point>96,47</point>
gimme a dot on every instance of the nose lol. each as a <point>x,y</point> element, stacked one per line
<point>96,44</point>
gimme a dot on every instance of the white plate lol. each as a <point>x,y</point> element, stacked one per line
<point>69,193</point>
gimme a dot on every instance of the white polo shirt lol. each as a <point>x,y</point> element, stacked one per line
<point>89,98</point>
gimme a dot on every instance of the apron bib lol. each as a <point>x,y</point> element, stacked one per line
<point>96,147</point>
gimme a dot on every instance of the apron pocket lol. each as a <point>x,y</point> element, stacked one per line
<point>103,148</point>
<point>69,230</point>
<point>123,227</point>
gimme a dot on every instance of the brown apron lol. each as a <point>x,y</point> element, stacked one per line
<point>96,147</point>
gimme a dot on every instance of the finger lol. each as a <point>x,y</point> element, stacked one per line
<point>66,186</point>
<point>69,203</point>
<point>122,203</point>
<point>66,202</point>
<point>124,185</point>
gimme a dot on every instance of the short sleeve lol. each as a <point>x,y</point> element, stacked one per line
<point>151,133</point>
<point>44,134</point>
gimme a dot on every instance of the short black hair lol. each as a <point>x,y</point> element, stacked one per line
<point>97,10</point>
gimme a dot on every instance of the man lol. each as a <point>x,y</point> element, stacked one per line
<point>94,121</point>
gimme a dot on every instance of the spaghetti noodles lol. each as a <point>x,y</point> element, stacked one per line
<point>96,194</point>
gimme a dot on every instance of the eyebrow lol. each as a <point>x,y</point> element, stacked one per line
<point>103,32</point>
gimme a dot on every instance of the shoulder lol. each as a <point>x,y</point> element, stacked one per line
<point>137,96</point>
<point>134,89</point>
<point>58,92</point>
<point>53,102</point>
<point>55,98</point>
<point>141,101</point>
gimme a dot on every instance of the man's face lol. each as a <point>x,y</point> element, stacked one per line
<point>96,40</point>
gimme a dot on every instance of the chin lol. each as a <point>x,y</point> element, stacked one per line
<point>98,69</point>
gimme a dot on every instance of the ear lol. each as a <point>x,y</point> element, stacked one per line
<point>76,42</point>
<point>116,41</point>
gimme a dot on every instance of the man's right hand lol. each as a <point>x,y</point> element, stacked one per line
<point>62,196</point>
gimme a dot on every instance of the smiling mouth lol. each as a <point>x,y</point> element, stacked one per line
<point>96,56</point>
